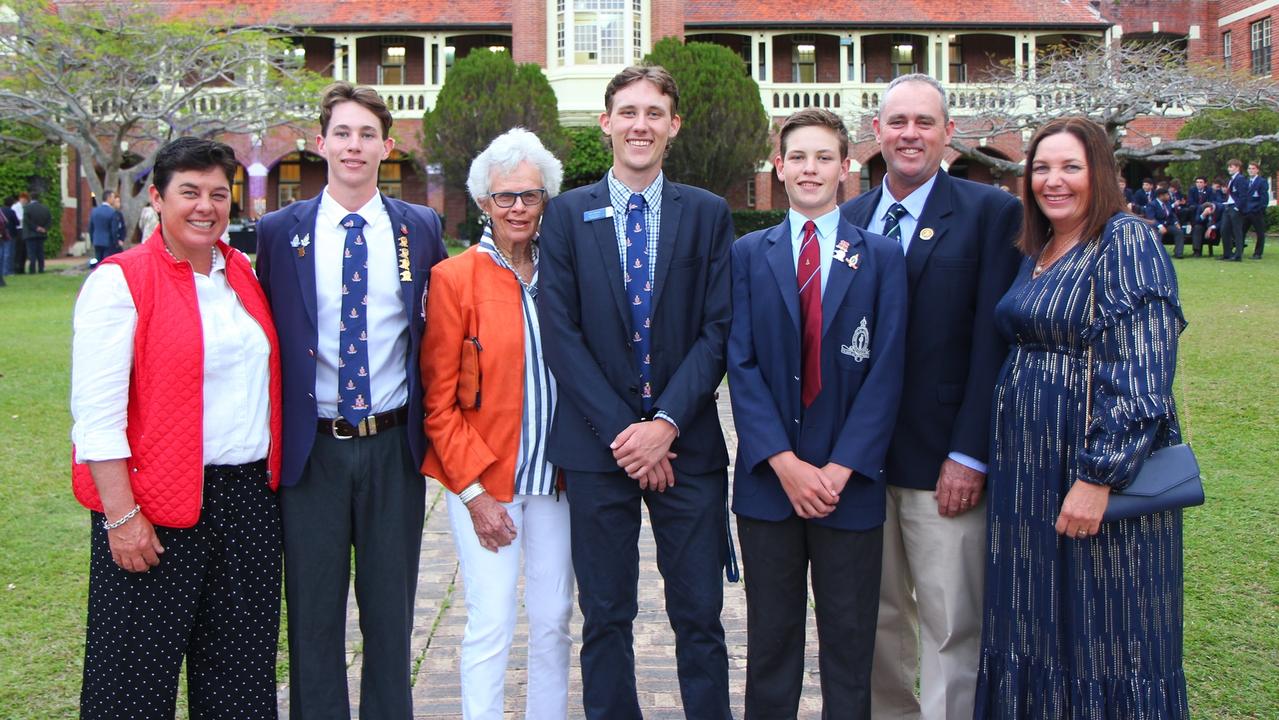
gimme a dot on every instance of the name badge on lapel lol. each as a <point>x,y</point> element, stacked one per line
<point>859,348</point>
<point>597,214</point>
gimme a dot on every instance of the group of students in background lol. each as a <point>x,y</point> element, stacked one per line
<point>1221,213</point>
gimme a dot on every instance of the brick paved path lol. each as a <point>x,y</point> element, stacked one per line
<point>441,617</point>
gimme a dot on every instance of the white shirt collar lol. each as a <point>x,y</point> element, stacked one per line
<point>331,211</point>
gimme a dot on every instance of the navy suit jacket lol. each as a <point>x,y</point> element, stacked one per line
<point>1161,215</point>
<point>953,352</point>
<point>288,279</point>
<point>1196,199</point>
<point>863,343</point>
<point>586,327</point>
<point>1258,195</point>
<point>106,226</point>
<point>1237,190</point>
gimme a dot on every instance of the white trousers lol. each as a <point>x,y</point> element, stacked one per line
<point>930,606</point>
<point>491,580</point>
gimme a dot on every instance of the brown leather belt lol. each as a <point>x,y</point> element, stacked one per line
<point>371,425</point>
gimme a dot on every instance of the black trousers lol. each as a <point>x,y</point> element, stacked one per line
<point>845,565</point>
<point>1231,234</point>
<point>35,255</point>
<point>688,529</point>
<point>1257,223</point>
<point>364,493</point>
<point>214,600</point>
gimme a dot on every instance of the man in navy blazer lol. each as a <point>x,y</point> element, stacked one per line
<point>1254,216</point>
<point>958,239</point>
<point>106,227</point>
<point>1202,203</point>
<point>350,465</point>
<point>815,366</point>
<point>635,305</point>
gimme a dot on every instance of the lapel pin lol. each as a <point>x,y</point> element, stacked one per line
<point>841,251</point>
<point>404,229</point>
<point>926,234</point>
<point>852,261</point>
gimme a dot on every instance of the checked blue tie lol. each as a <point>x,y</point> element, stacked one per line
<point>639,293</point>
<point>354,394</point>
<point>892,226</point>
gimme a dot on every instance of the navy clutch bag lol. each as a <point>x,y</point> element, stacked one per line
<point>1168,479</point>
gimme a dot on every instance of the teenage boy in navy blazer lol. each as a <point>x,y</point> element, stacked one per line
<point>958,240</point>
<point>1232,221</point>
<point>815,365</point>
<point>1254,216</point>
<point>1202,202</point>
<point>634,297</point>
<point>1164,214</point>
<point>346,276</point>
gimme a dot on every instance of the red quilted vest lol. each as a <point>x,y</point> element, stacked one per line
<point>166,398</point>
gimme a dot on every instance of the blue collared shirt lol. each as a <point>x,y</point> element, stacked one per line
<point>914,204</point>
<point>826,226</point>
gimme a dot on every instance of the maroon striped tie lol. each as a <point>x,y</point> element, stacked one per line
<point>809,277</point>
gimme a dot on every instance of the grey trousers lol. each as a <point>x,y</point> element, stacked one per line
<point>364,493</point>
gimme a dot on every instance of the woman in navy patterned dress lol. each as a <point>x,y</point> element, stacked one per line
<point>1082,619</point>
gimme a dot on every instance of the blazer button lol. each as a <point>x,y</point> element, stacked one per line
<point>796,378</point>
<point>311,352</point>
<point>311,395</point>
<point>796,420</point>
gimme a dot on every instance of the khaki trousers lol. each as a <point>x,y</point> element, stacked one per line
<point>930,604</point>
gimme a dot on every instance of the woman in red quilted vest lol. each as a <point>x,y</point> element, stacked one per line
<point>175,394</point>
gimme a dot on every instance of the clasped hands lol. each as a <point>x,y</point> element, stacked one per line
<point>813,491</point>
<point>643,451</point>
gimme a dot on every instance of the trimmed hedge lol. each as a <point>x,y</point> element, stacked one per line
<point>745,221</point>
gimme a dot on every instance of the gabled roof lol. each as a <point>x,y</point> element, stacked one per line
<point>1077,14</point>
<point>346,13</point>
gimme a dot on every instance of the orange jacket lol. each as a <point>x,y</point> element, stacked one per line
<point>471,296</point>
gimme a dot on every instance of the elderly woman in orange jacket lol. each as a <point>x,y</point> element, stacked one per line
<point>489,404</point>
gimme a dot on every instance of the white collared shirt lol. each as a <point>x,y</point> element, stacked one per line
<point>236,369</point>
<point>914,204</point>
<point>826,226</point>
<point>388,326</point>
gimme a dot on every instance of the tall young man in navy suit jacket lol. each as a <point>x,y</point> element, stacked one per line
<point>958,240</point>
<point>346,275</point>
<point>1254,216</point>
<point>815,365</point>
<point>635,305</point>
<point>1233,207</point>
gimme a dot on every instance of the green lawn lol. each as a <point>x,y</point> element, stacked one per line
<point>1228,381</point>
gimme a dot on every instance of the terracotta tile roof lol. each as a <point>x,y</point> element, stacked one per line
<point>348,13</point>
<point>895,13</point>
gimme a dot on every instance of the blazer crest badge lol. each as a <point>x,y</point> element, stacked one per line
<point>859,348</point>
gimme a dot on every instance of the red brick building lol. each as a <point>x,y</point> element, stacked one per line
<point>838,54</point>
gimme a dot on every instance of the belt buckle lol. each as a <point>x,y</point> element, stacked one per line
<point>333,430</point>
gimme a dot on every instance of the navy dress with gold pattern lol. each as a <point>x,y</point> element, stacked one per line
<point>1084,628</point>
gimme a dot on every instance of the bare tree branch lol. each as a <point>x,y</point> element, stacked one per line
<point>95,76</point>
<point>1115,85</point>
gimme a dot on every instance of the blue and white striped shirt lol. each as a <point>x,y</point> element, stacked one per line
<point>534,475</point>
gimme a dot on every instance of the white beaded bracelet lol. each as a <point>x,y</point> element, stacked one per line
<point>123,519</point>
<point>470,492</point>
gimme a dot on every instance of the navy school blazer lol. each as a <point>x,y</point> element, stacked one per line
<point>863,341</point>
<point>288,279</point>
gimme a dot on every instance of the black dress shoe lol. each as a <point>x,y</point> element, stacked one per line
<point>1256,257</point>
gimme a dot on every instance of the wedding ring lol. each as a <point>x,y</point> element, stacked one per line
<point>1081,533</point>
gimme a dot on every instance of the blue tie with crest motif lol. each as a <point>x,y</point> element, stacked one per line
<point>354,393</point>
<point>639,294</point>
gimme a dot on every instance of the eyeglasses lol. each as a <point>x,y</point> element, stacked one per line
<point>530,198</point>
